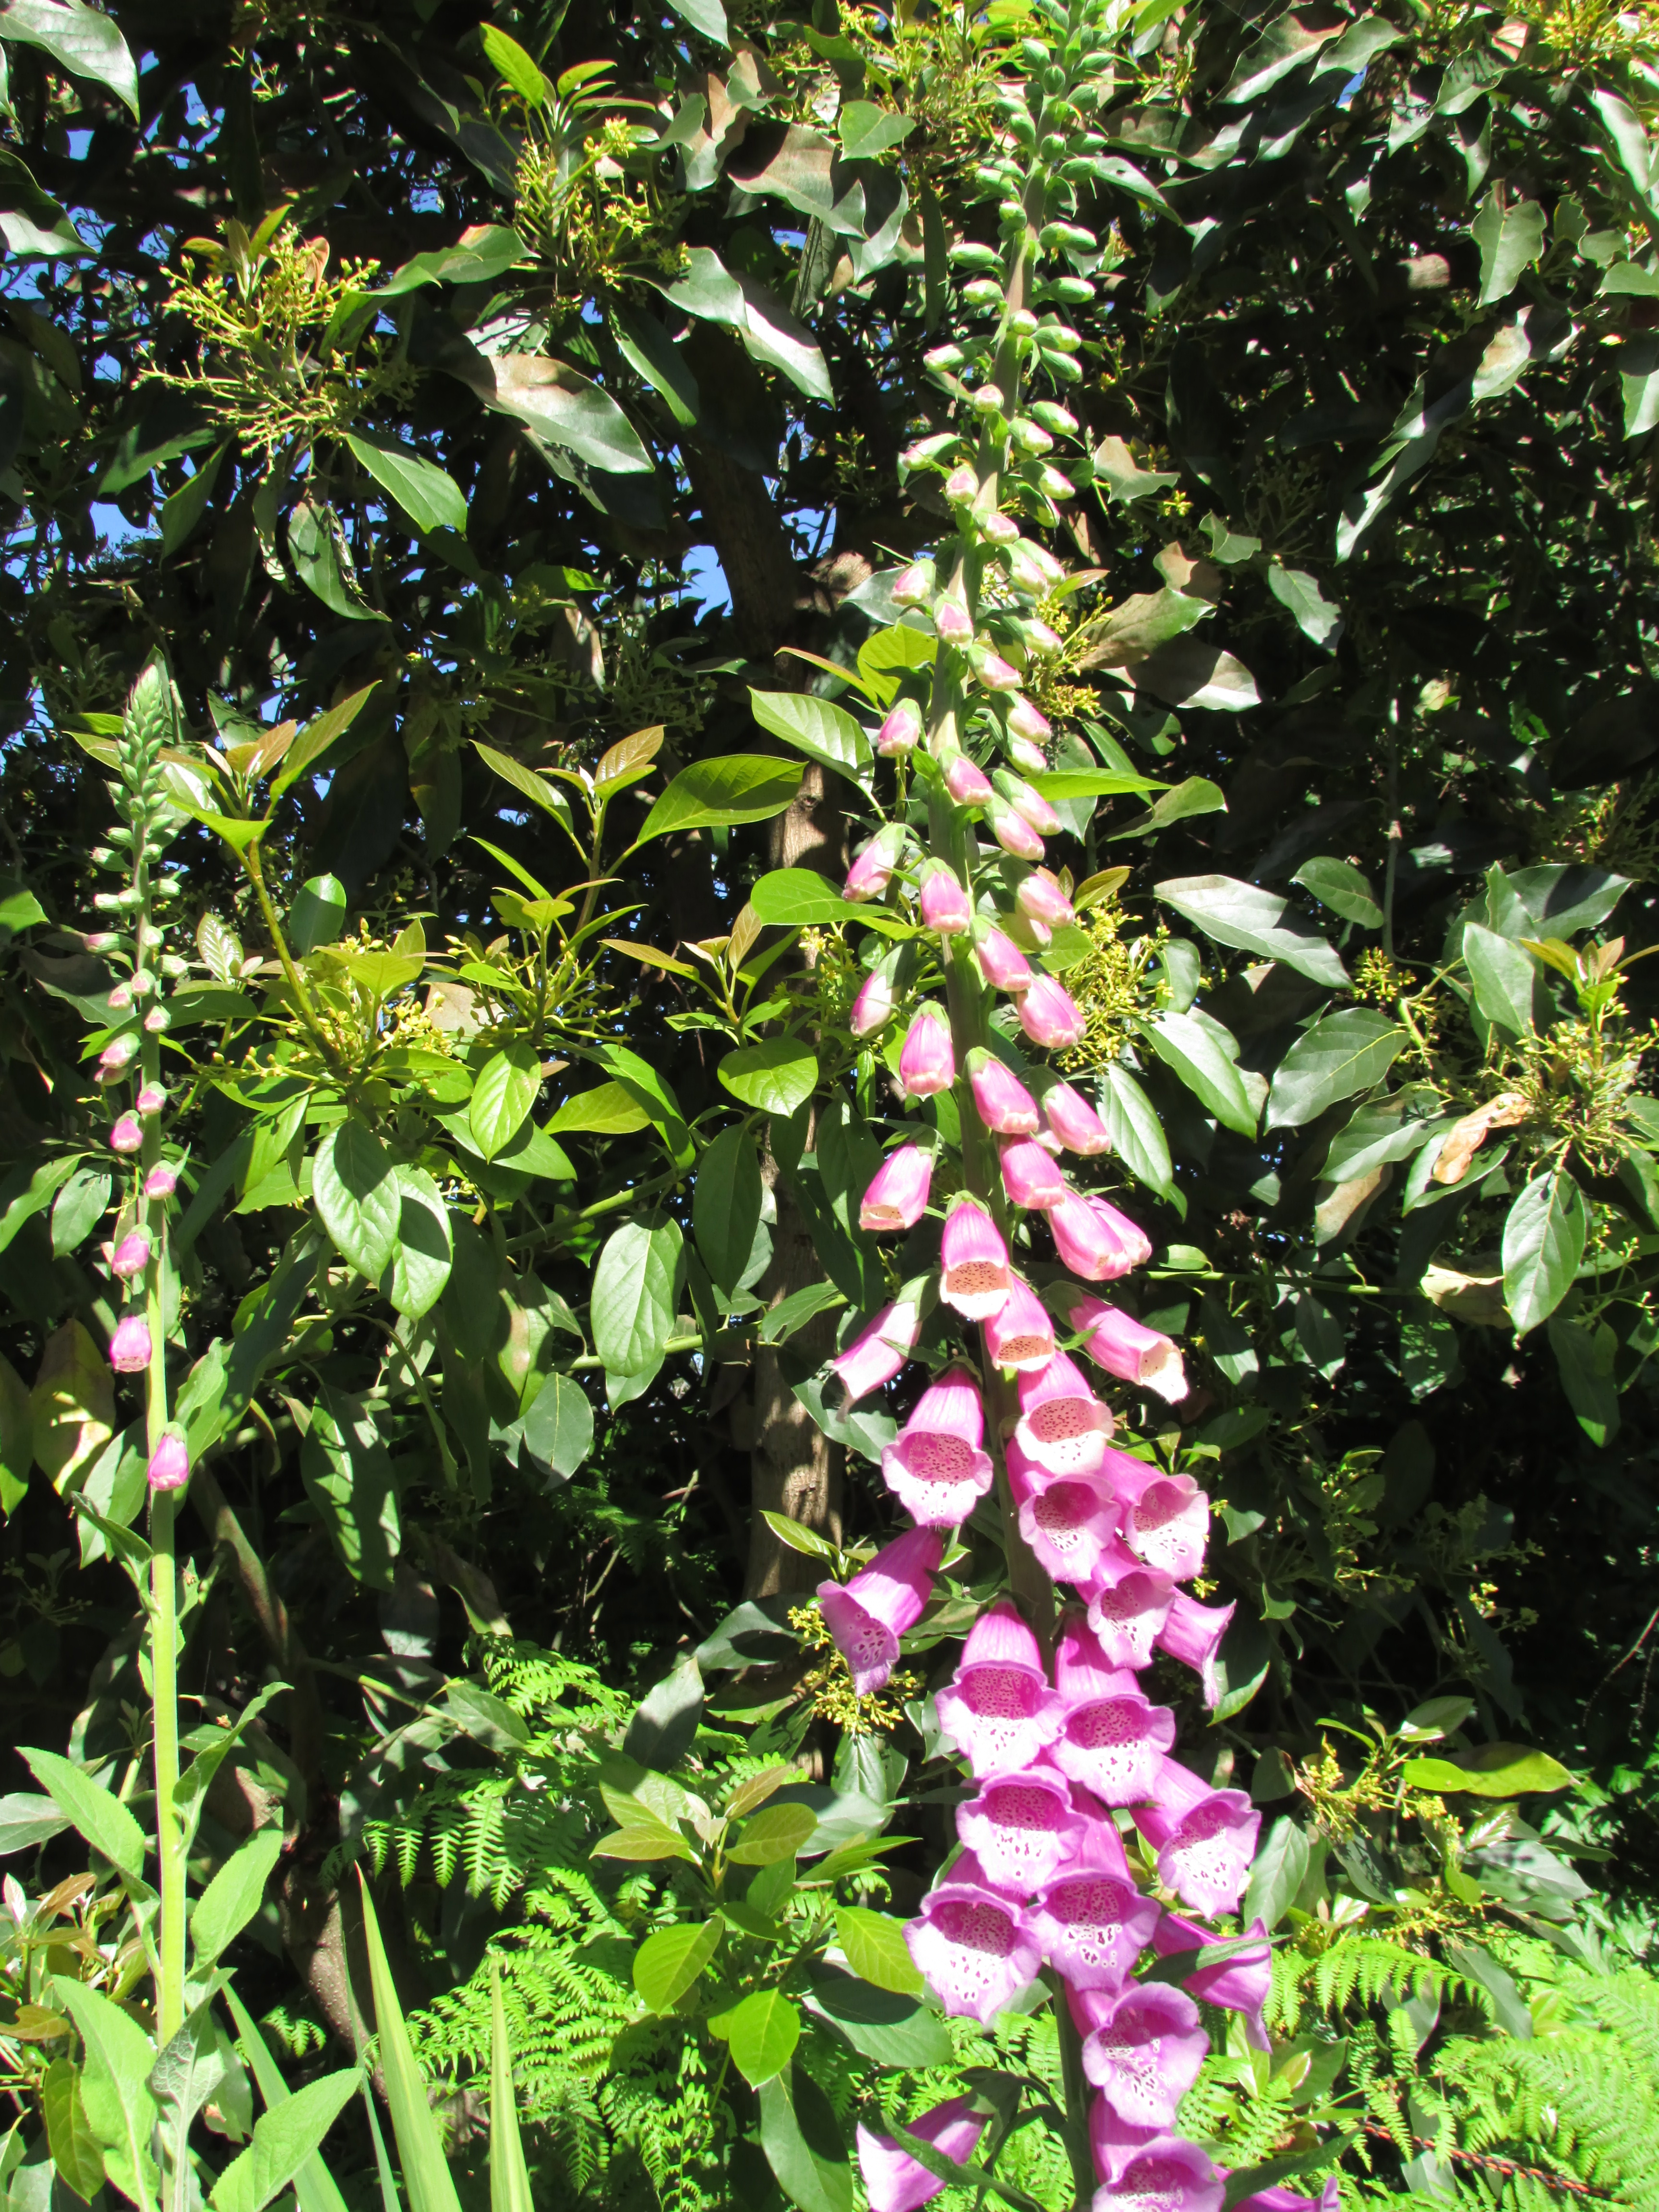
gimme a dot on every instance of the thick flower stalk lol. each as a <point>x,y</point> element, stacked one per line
<point>1074,1767</point>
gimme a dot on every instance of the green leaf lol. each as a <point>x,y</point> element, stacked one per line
<point>728,1199</point>
<point>525,780</point>
<point>284,2138</point>
<point>1544,1236</point>
<point>880,2024</point>
<point>489,252</point>
<point>874,1947</point>
<point>655,1098</point>
<point>115,2086</point>
<point>317,547</point>
<point>558,1426</point>
<point>802,2140</point>
<point>635,1287</point>
<point>761,2032</point>
<point>349,1477</point>
<point>507,1086</point>
<point>78,1208</point>
<point>1183,1043</point>
<point>28,1191</point>
<point>666,1964</point>
<point>234,1894</point>
<point>1276,1874</point>
<point>1197,795</point>
<point>770,333</point>
<point>419,2147</point>
<point>566,410</point>
<point>1317,618</point>
<point>607,1110</point>
<point>776,1077</point>
<point>1255,920</point>
<point>714,794</point>
<point>823,732</point>
<point>799,898</point>
<point>509,2177</point>
<point>1510,238</point>
<point>76,2155</point>
<point>705,15</point>
<point>431,499</point>
<point>26,1820</point>
<point>1496,1769</point>
<point>649,350</point>
<point>1503,974</point>
<point>425,1251</point>
<point>19,910</point>
<point>182,511</point>
<point>1584,1357</point>
<point>354,1187</point>
<point>1090,783</point>
<point>1135,1130</point>
<point>1343,889</point>
<point>1349,1051</point>
<point>313,2185</point>
<point>98,1814</point>
<point>85,40</point>
<point>510,60</point>
<point>776,1831</point>
<point>315,740</point>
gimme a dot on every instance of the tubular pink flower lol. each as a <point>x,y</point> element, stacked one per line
<point>868,1616</point>
<point>1026,720</point>
<point>898,1196</point>
<point>1029,1175</point>
<point>945,904</point>
<point>1063,1427</point>
<point>998,1708</point>
<point>875,1005</point>
<point>1069,1526</point>
<point>130,1346</point>
<point>1030,806</point>
<point>938,1467</point>
<point>1010,829</point>
<point>1022,1335</point>
<point>1112,2140</point>
<point>1096,1241</point>
<point>1124,1347</point>
<point>1091,1920</point>
<point>1144,2050</point>
<point>1166,2175</point>
<point>1169,1525</point>
<point>162,1182</point>
<point>131,1256</point>
<point>1074,1121</point>
<point>150,1100</point>
<point>1241,1983</point>
<point>1041,898</point>
<point>953,623</point>
<point>1193,1633</point>
<point>971,1946</point>
<point>1049,1015</point>
<point>1128,1607</point>
<point>1204,1838</point>
<point>878,1353</point>
<point>967,784</point>
<point>914,587</point>
<point>900,731</point>
<point>1021,1828</point>
<point>1112,1740</point>
<point>127,1135</point>
<point>896,2182</point>
<point>1005,1106</point>
<point>1004,966</point>
<point>169,1463</point>
<point>974,1276</point>
<point>1276,2199</point>
<point>927,1064</point>
<point>872,870</point>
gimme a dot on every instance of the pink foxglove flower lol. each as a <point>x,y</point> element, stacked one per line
<point>150,1100</point>
<point>1012,831</point>
<point>169,1463</point>
<point>1063,1427</point>
<point>898,1196</point>
<point>967,782</point>
<point>131,1256</point>
<point>130,1346</point>
<point>1191,1633</point>
<point>998,1708</point>
<point>1002,964</point>
<point>1040,899</point>
<point>1031,1177</point>
<point>1166,2175</point>
<point>1004,1105</point>
<point>875,1005</point>
<point>1127,1608</point>
<point>913,586</point>
<point>938,1467</point>
<point>953,623</point>
<point>971,1946</point>
<point>1030,805</point>
<point>1022,1335</point>
<point>894,2181</point>
<point>1026,720</point>
<point>1204,1838</point>
<point>1113,1740</point>
<point>928,1065</point>
<point>162,1182</point>
<point>1069,1526</point>
<point>872,870</point>
<point>868,1616</point>
<point>1144,2050</point>
<point>1125,1348</point>
<point>127,1135</point>
<point>1091,1921</point>
<point>1276,2199</point>
<point>995,673</point>
<point>1240,1983</point>
<point>1096,1241</point>
<point>1169,1525</point>
<point>945,904</point>
<point>1074,1122</point>
<point>900,731</point>
<point>1115,2144</point>
<point>1021,1828</point>
<point>1049,1015</point>
<point>116,1054</point>
<point>974,1276</point>
<point>879,1351</point>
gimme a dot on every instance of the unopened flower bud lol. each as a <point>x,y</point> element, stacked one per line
<point>1000,529</point>
<point>1025,721</point>
<point>953,623</point>
<point>1058,485</point>
<point>169,1463</point>
<point>158,1017</point>
<point>987,400</point>
<point>967,784</point>
<point>150,1100</point>
<point>900,731</point>
<point>874,1007</point>
<point>118,1052</point>
<point>127,1135</point>
<point>131,1256</point>
<point>1031,437</point>
<point>913,586</point>
<point>961,485</point>
<point>995,673</point>
<point>100,940</point>
<point>130,1346</point>
<point>120,998</point>
<point>161,1181</point>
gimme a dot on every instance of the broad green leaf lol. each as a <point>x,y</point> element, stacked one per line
<point>478,257</point>
<point>313,2185</point>
<point>1276,1874</point>
<point>798,898</point>
<point>1503,974</point>
<point>347,1474</point>
<point>1136,1133</point>
<point>874,1947</point>
<point>707,16</point>
<point>823,732</point>
<point>31,1191</point>
<point>1497,1770</point>
<point>1584,1359</point>
<point>1255,920</point>
<point>419,2147</point>
<point>506,1088</point>
<point>431,499</point>
<point>892,2029</point>
<point>115,2086</point>
<point>182,511</point>
<point>867,130</point>
<point>74,2149</point>
<point>317,545</point>
<point>1090,783</point>
<point>728,1197</point>
<point>1382,1130</point>
<point>85,40</point>
<point>318,916</point>
<point>315,740</point>
<point>1343,889</point>
<point>1183,1043</point>
<point>284,2138</point>
<point>1298,592</point>
<point>525,780</point>
<point>761,2032</point>
<point>425,1252</point>
<point>71,1404</point>
<point>99,1814</point>
<point>78,1208</point>
<point>771,334</point>
<point>666,1719</point>
<point>1544,1236</point>
<point>607,1110</point>
<point>776,1077</point>
<point>649,350</point>
<point>506,55</point>
<point>566,410</point>
<point>234,1894</point>
<point>776,1831</point>
<point>666,1964</point>
<point>1348,1051</point>
<point>356,1189</point>
<point>804,2145</point>
<point>1197,795</point>
<point>558,1426</point>
<point>654,1096</point>
<point>714,794</point>
<point>26,1820</point>
<point>1510,238</point>
<point>635,1287</point>
<point>509,2177</point>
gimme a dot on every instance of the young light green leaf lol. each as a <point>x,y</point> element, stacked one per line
<point>874,1947</point>
<point>714,794</point>
<point>356,1189</point>
<point>114,2087</point>
<point>1349,1050</point>
<point>74,2149</point>
<point>1497,1770</point>
<point>98,1813</point>
<point>1315,617</point>
<point>509,58</point>
<point>761,2031</point>
<point>509,2177</point>
<point>285,2139</point>
<point>823,732</point>
<point>666,1964</point>
<point>420,2148</point>
<point>313,2185</point>
<point>776,1831</point>
<point>776,1077</point>
<point>1544,1236</point>
<point>607,1110</point>
<point>234,1894</point>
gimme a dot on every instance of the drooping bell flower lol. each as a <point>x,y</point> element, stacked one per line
<point>1029,804</point>
<point>953,623</point>
<point>1166,2175</point>
<point>998,1708</point>
<point>1074,1122</point>
<point>1191,1633</point>
<point>1204,1838</point>
<point>1128,1607</point>
<point>972,1947</point>
<point>1276,2199</point>
<point>1113,2144</point>
<point>1022,1335</point>
<point>1096,1241</point>
<point>876,1003</point>
<point>150,1100</point>
<point>1169,1525</point>
<point>894,2181</point>
<point>1004,1105</point>
<point>1113,1739</point>
<point>1144,2050</point>
<point>900,731</point>
<point>169,1463</point>
<point>1126,1348</point>
<point>974,1276</point>
<point>1049,1015</point>
<point>872,870</point>
<point>1063,1427</point>
<point>1031,1177</point>
<point>945,904</point>
<point>967,783</point>
<point>161,1181</point>
<point>869,1615</point>
<point>1002,964</point>
<point>1022,1828</point>
<point>937,1467</point>
<point>1241,1983</point>
<point>1091,1921</point>
<point>927,1064</point>
<point>130,1346</point>
<point>879,1351</point>
<point>127,1135</point>
<point>1041,898</point>
<point>1069,1526</point>
<point>1011,830</point>
<point>898,1196</point>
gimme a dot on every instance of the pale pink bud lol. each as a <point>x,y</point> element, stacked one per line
<point>1030,806</point>
<point>953,623</point>
<point>1022,1335</point>
<point>875,1005</point>
<point>898,1196</point>
<point>1040,897</point>
<point>1040,637</point>
<point>961,484</point>
<point>1039,563</point>
<point>988,399</point>
<point>100,940</point>
<point>120,998</point>
<point>1004,966</point>
<point>900,731</point>
<point>150,1100</point>
<point>1096,1241</point>
<point>879,1351</point>
<point>995,673</point>
<point>131,1256</point>
<point>1005,1106</point>
<point>1013,833</point>
<point>1058,485</point>
<point>130,1346</point>
<point>974,1276</point>
<point>1120,1344</point>
<point>967,784</point>
<point>1026,754</point>
<point>158,1017</point>
<point>127,1135</point>
<point>1049,1015</point>
<point>1030,1177</point>
<point>913,585</point>
<point>945,904</point>
<point>1001,529</point>
<point>1074,1122</point>
<point>118,1052</point>
<point>162,1182</point>
<point>169,1463</point>
<point>872,870</point>
<point>927,1064</point>
<point>1026,720</point>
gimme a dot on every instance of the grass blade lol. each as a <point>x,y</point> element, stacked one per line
<point>509,2177</point>
<point>420,2149</point>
